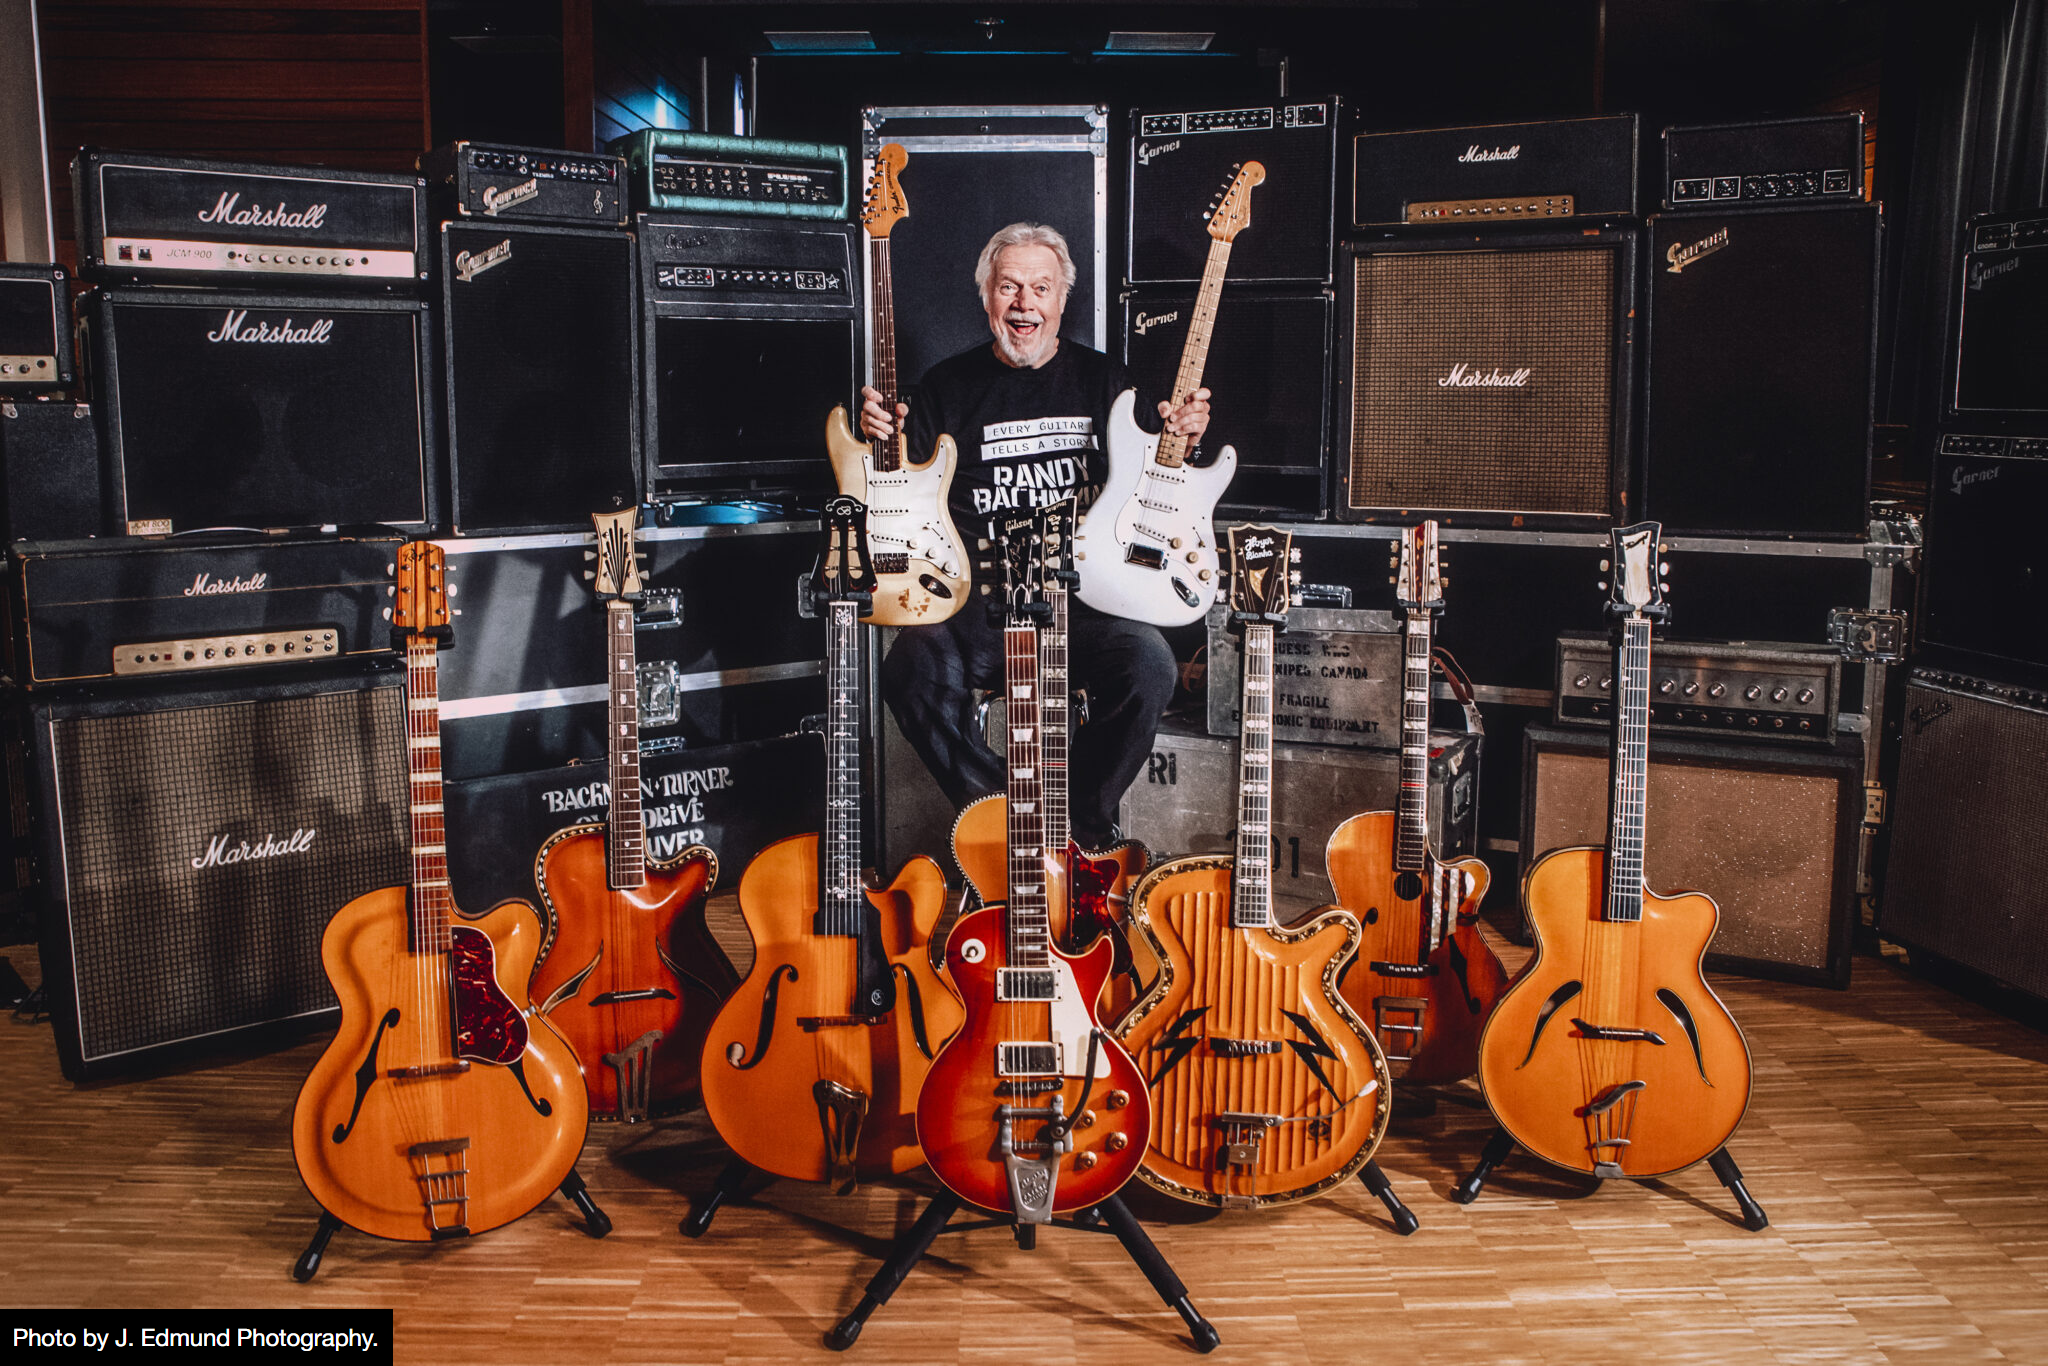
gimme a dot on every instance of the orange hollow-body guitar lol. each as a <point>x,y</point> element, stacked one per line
<point>631,974</point>
<point>444,1106</point>
<point>1033,1108</point>
<point>1424,978</point>
<point>1266,1088</point>
<point>812,1069</point>
<point>1611,1055</point>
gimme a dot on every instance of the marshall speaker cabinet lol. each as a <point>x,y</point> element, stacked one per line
<point>194,849</point>
<point>256,410</point>
<point>1761,354</point>
<point>35,330</point>
<point>750,336</point>
<point>541,345</point>
<point>186,221</point>
<point>2003,342</point>
<point>1507,173</point>
<point>1181,161</point>
<point>1486,379</point>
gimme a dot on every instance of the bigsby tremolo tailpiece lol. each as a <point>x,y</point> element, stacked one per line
<point>1033,1166</point>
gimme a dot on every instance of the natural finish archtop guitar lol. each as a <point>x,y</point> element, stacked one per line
<point>1424,977</point>
<point>920,565</point>
<point>1266,1087</point>
<point>1032,1108</point>
<point>444,1106</point>
<point>630,972</point>
<point>1610,1054</point>
<point>814,1064</point>
<point>1147,548</point>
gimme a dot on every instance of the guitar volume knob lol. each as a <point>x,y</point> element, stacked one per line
<point>1119,1099</point>
<point>1083,1161</point>
<point>1117,1142</point>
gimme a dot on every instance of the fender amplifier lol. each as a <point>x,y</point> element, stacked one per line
<point>195,847</point>
<point>190,221</point>
<point>541,343</point>
<point>1499,174</point>
<point>35,330</point>
<point>525,184</point>
<point>1180,162</point>
<point>259,410</point>
<point>129,610</point>
<point>1487,379</point>
<point>2002,336</point>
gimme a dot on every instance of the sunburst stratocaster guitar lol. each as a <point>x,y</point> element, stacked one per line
<point>1610,1054</point>
<point>1424,979</point>
<point>1033,1108</point>
<point>1090,888</point>
<point>813,1066</point>
<point>444,1106</point>
<point>1266,1087</point>
<point>1147,548</point>
<point>920,565</point>
<point>631,973</point>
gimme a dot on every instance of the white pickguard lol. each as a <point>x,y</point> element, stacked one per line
<point>1146,505</point>
<point>1071,1021</point>
<point>907,514</point>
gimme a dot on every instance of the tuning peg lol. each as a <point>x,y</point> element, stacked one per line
<point>590,554</point>
<point>391,590</point>
<point>391,569</point>
<point>455,611</point>
<point>1392,579</point>
<point>1294,554</point>
<point>1603,585</point>
<point>1294,576</point>
<point>1663,547</point>
<point>387,614</point>
<point>1664,568</point>
<point>589,574</point>
<point>1604,566</point>
<point>981,544</point>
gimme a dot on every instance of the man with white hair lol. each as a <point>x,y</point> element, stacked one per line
<point>1028,415</point>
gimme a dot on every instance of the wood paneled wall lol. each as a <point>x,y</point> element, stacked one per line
<point>323,82</point>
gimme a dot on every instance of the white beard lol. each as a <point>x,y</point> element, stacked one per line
<point>1021,357</point>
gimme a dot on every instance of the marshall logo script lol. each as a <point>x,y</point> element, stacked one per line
<point>206,585</point>
<point>224,211</point>
<point>470,264</point>
<point>237,329</point>
<point>1477,153</point>
<point>219,853</point>
<point>1677,258</point>
<point>1463,376</point>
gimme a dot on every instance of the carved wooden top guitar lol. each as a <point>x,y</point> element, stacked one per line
<point>1147,548</point>
<point>443,1107</point>
<point>1266,1087</point>
<point>1424,978</point>
<point>920,565</point>
<point>1611,1055</point>
<point>814,1063</point>
<point>631,973</point>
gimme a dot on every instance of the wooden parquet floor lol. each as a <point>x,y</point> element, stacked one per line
<point>1898,1138</point>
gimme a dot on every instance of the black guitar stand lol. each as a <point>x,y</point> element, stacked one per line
<point>1376,1181</point>
<point>1109,1216</point>
<point>731,1181</point>
<point>1500,1145</point>
<point>595,1222</point>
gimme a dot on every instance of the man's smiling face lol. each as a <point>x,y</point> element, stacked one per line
<point>1025,298</point>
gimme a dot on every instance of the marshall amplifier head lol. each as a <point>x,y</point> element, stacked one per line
<point>1180,160</point>
<point>485,180</point>
<point>1719,166</point>
<point>1507,173</point>
<point>750,335</point>
<point>183,220</point>
<point>1488,379</point>
<point>265,411</point>
<point>541,346</point>
<point>35,330</point>
<point>673,171</point>
<point>2002,349</point>
<point>147,609</point>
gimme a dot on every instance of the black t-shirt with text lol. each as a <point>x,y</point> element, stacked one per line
<point>1026,437</point>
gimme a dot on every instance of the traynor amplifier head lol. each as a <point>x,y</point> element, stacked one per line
<point>1488,378</point>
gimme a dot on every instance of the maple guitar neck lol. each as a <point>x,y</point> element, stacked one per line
<point>1194,356</point>
<point>626,850</point>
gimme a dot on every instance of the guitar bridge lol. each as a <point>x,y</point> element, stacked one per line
<point>1403,969</point>
<point>1611,1035</point>
<point>1403,1016</point>
<point>444,1185</point>
<point>1242,1048</point>
<point>890,562</point>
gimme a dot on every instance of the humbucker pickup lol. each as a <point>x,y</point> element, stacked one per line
<point>1027,984</point>
<point>1027,1059</point>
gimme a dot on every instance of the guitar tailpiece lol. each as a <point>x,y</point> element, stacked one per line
<point>633,1071</point>
<point>1033,1180</point>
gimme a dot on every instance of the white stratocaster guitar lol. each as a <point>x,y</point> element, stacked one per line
<point>1147,549</point>
<point>919,563</point>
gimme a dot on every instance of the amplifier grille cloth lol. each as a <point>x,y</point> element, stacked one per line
<point>1418,441</point>
<point>164,950</point>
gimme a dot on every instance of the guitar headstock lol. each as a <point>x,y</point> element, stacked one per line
<point>1263,576</point>
<point>618,559</point>
<point>844,573</point>
<point>1636,579</point>
<point>1419,580</point>
<point>419,592</point>
<point>1231,214</point>
<point>1057,528</point>
<point>1023,554</point>
<point>885,206</point>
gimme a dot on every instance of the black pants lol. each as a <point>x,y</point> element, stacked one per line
<point>1126,668</point>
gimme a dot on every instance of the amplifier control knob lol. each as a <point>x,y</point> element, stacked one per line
<point>1780,693</point>
<point>1718,690</point>
<point>1805,696</point>
<point>1582,680</point>
<point>1753,692</point>
<point>1666,687</point>
<point>1692,689</point>
<point>1606,683</point>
